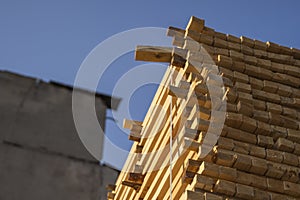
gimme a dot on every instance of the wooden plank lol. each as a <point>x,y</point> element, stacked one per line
<point>178,41</point>
<point>178,61</point>
<point>238,66</point>
<point>262,116</point>
<point>217,42</point>
<point>224,157</point>
<point>139,148</point>
<point>209,169</point>
<point>227,173</point>
<point>272,47</point>
<point>274,108</point>
<point>244,191</point>
<point>245,108</point>
<point>161,182</point>
<point>275,185</point>
<point>135,136</point>
<point>206,39</point>
<point>243,162</point>
<point>177,92</point>
<point>225,187</point>
<point>153,53</point>
<point>232,38</point>
<point>193,165</point>
<point>265,141</point>
<point>195,24</point>
<point>241,147</point>
<point>267,64</point>
<point>226,143</point>
<point>192,45</point>
<point>127,123</point>
<point>220,35</point>
<point>224,61</point>
<point>235,46</point>
<point>283,144</point>
<point>260,45</point>
<point>259,105</point>
<point>191,195</point>
<point>235,55</point>
<point>233,120</point>
<point>191,145</point>
<point>248,124</point>
<point>296,53</point>
<point>291,188</point>
<point>204,182</point>
<point>270,86</point>
<point>258,166</point>
<point>162,134</point>
<point>274,155</point>
<point>290,159</point>
<point>240,77</point>
<point>251,60</point>
<point>110,187</point>
<point>191,133</point>
<point>173,31</point>
<point>161,186</point>
<point>111,195</point>
<point>260,194</point>
<point>247,41</point>
<point>240,135</point>
<point>257,152</point>
<point>136,177</point>
<point>133,185</point>
<point>211,196</point>
<point>293,135</point>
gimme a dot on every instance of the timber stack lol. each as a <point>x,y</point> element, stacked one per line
<point>230,106</point>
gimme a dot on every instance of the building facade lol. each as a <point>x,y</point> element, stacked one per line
<point>41,155</point>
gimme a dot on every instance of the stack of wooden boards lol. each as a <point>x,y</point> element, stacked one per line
<point>256,155</point>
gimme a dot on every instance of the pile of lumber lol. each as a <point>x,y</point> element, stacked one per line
<point>231,108</point>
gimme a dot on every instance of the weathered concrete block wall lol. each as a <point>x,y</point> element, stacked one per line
<point>41,155</point>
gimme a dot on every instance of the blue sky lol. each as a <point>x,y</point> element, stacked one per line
<point>50,39</point>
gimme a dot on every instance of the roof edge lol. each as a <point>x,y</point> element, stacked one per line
<point>109,101</point>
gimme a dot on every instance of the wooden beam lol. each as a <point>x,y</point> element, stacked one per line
<point>111,187</point>
<point>178,92</point>
<point>133,185</point>
<point>153,53</point>
<point>134,136</point>
<point>136,177</point>
<point>111,195</point>
<point>139,149</point>
<point>127,123</point>
<point>173,31</point>
<point>195,24</point>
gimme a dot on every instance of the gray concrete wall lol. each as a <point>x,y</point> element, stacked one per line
<point>41,155</point>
